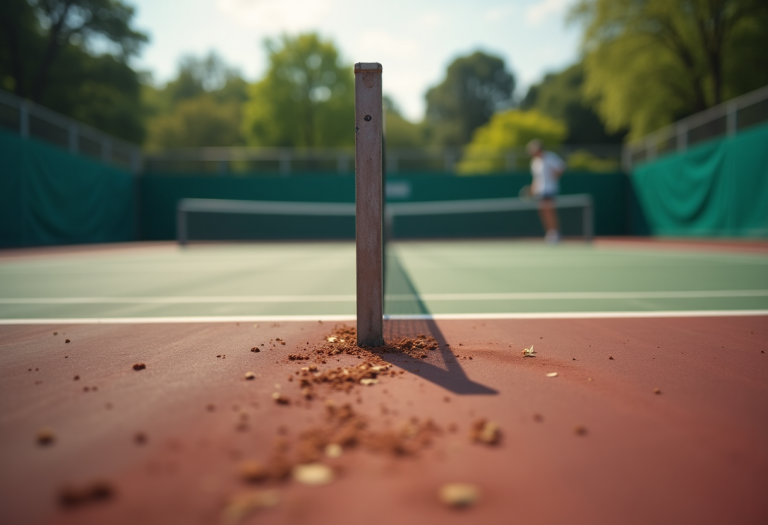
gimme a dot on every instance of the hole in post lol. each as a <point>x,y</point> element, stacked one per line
<point>367,118</point>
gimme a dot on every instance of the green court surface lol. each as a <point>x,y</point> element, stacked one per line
<point>427,278</point>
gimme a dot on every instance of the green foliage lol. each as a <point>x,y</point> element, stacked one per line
<point>399,131</point>
<point>201,107</point>
<point>651,62</point>
<point>559,95</point>
<point>45,55</point>
<point>196,122</point>
<point>474,88</point>
<point>585,161</point>
<point>507,130</point>
<point>306,98</point>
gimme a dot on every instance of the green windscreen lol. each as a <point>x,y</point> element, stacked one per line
<point>715,189</point>
<point>50,196</point>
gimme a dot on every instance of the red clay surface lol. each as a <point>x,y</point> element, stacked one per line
<point>695,453</point>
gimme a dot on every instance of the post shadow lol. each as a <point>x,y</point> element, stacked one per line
<point>402,298</point>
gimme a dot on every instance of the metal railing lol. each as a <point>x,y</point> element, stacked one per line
<point>35,121</point>
<point>725,119</point>
<point>342,160</point>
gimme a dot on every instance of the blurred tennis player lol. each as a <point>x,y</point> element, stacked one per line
<point>546,168</point>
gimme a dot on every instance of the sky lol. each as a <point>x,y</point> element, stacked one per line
<point>414,40</point>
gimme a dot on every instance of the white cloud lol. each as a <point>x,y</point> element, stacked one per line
<point>275,16</point>
<point>538,12</point>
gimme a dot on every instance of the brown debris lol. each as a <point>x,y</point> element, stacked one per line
<point>580,430</point>
<point>255,349</point>
<point>139,366</point>
<point>250,376</point>
<point>253,472</point>
<point>610,357</point>
<point>280,399</point>
<point>75,495</point>
<point>140,438</point>
<point>45,436</point>
<point>657,391</point>
<point>484,431</point>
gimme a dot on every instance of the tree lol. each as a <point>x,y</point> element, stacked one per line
<point>201,107</point>
<point>196,122</point>
<point>559,95</point>
<point>65,22</point>
<point>45,56</point>
<point>401,132</point>
<point>508,130</point>
<point>474,87</point>
<point>649,62</point>
<point>306,98</point>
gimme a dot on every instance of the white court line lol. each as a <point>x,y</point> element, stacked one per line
<point>523,296</point>
<point>438,317</point>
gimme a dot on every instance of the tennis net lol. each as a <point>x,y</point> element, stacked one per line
<point>236,220</point>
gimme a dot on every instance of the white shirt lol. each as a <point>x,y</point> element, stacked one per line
<point>545,170</point>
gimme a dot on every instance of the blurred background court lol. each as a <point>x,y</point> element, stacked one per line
<point>317,281</point>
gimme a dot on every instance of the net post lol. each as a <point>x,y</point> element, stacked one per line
<point>368,204</point>
<point>181,225</point>
<point>587,221</point>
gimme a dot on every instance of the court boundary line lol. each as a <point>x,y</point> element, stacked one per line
<point>395,317</point>
<point>501,296</point>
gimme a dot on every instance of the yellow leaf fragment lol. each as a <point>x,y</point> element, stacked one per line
<point>313,474</point>
<point>459,494</point>
<point>243,504</point>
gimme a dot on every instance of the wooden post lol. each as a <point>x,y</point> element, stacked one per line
<point>368,204</point>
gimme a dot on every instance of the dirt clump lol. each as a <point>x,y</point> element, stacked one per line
<point>139,366</point>
<point>76,495</point>
<point>486,432</point>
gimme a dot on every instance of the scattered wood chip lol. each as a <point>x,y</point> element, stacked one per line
<point>255,349</point>
<point>610,357</point>
<point>139,366</point>
<point>552,374</point>
<point>250,376</point>
<point>529,352</point>
<point>243,504</point>
<point>368,382</point>
<point>657,391</point>
<point>45,436</point>
<point>280,399</point>
<point>459,494</point>
<point>253,471</point>
<point>66,341</point>
<point>484,431</point>
<point>313,474</point>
